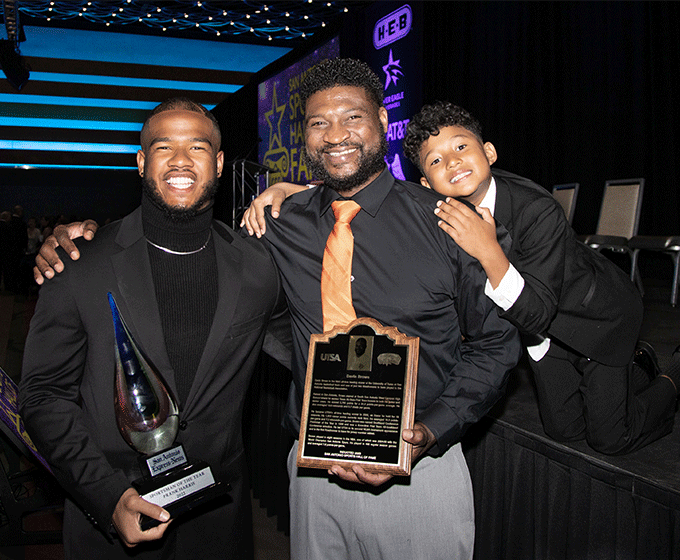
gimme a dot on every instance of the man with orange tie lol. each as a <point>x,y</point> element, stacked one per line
<point>367,245</point>
<point>399,269</point>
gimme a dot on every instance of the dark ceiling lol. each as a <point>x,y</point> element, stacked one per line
<point>275,23</point>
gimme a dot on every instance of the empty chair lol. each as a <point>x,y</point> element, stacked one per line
<point>619,220</point>
<point>667,244</point>
<point>566,195</point>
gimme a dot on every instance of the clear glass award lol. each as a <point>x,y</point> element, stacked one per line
<point>148,419</point>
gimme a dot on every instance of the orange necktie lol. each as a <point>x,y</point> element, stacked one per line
<point>336,289</point>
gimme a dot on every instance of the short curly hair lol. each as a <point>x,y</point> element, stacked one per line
<point>342,72</point>
<point>430,120</point>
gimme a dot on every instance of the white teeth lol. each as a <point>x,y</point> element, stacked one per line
<point>461,176</point>
<point>343,153</point>
<point>180,182</point>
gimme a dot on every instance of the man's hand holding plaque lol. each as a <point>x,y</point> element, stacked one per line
<point>359,405</point>
<point>420,438</point>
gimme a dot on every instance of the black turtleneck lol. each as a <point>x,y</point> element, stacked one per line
<point>186,286</point>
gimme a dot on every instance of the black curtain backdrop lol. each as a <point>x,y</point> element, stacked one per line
<point>568,92</point>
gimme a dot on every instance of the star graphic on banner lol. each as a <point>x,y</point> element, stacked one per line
<point>392,71</point>
<point>275,137</point>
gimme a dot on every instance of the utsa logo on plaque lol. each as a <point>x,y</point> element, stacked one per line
<point>330,357</point>
<point>392,27</point>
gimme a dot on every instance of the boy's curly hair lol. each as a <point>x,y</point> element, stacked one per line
<point>430,120</point>
<point>342,72</point>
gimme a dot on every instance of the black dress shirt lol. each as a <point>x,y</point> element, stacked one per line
<point>409,274</point>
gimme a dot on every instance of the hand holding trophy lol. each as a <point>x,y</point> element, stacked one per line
<point>148,419</point>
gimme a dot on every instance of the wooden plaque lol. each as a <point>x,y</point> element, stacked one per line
<point>360,394</point>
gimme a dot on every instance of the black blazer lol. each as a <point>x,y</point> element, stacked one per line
<point>66,389</point>
<point>571,293</point>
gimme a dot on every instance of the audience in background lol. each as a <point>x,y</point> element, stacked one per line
<point>20,242</point>
<point>46,226</point>
<point>5,218</point>
<point>14,249</point>
<point>35,239</point>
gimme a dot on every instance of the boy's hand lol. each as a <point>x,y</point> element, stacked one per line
<point>253,218</point>
<point>474,235</point>
<point>47,262</point>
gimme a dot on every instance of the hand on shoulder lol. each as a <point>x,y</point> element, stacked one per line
<point>253,218</point>
<point>47,261</point>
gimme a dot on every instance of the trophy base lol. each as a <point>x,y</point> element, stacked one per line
<point>179,490</point>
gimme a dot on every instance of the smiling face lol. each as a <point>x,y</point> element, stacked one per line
<point>457,164</point>
<point>180,160</point>
<point>345,138</point>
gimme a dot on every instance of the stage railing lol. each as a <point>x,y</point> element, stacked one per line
<point>249,179</point>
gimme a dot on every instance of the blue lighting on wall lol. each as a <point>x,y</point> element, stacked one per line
<point>78,107</point>
<point>81,101</point>
<point>109,46</point>
<point>68,147</point>
<point>132,82</point>
<point>56,166</point>
<point>65,123</point>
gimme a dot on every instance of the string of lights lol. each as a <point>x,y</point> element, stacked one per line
<point>274,21</point>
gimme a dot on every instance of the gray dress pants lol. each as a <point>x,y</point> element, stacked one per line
<point>427,516</point>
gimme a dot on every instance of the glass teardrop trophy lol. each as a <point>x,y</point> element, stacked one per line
<point>148,419</point>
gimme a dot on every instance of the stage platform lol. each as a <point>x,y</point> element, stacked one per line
<point>539,499</point>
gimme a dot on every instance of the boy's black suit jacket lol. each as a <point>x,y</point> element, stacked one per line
<point>572,293</point>
<point>67,385</point>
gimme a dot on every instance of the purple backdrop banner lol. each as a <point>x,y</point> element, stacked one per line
<point>394,48</point>
<point>280,125</point>
<point>12,424</point>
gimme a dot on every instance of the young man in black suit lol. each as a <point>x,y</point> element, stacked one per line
<point>579,313</point>
<point>197,298</point>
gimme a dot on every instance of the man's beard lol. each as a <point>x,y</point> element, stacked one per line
<point>371,162</point>
<point>177,213</point>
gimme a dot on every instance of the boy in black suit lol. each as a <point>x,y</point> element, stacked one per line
<point>579,313</point>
